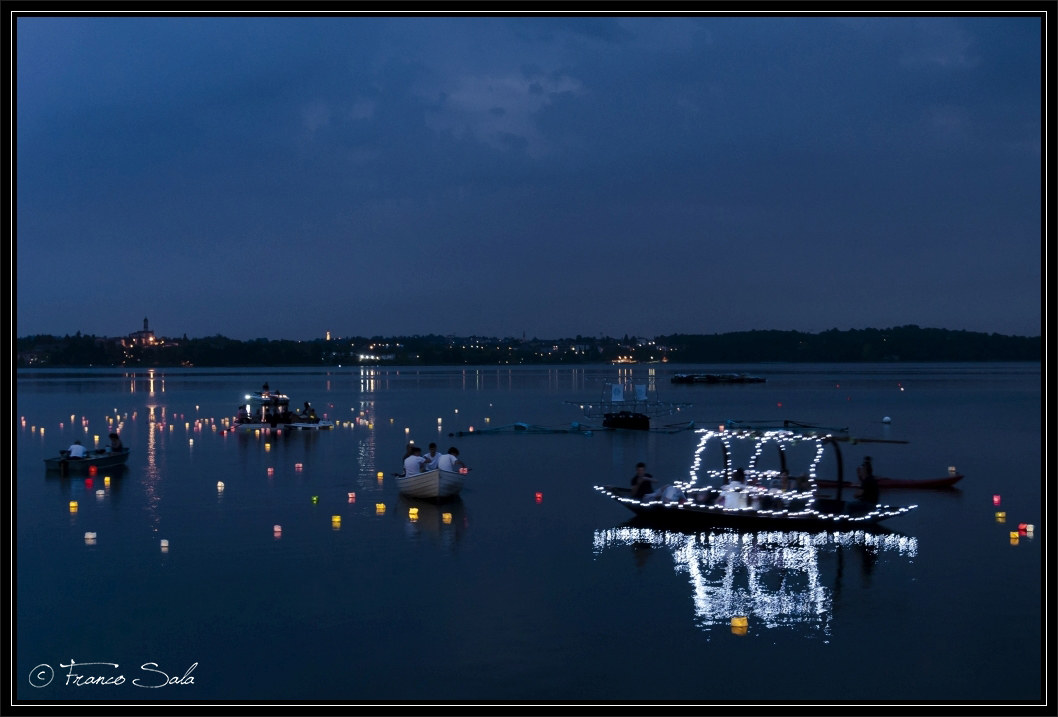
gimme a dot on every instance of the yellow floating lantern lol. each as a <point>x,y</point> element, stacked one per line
<point>380,508</point>
<point>413,513</point>
<point>446,518</point>
<point>739,625</point>
<point>73,506</point>
<point>1001,516</point>
<point>106,480</point>
<point>1014,535</point>
<point>336,521</point>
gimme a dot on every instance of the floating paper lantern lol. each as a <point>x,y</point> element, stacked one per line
<point>446,518</point>
<point>88,482</point>
<point>336,520</point>
<point>739,626</point>
<point>277,530</point>
<point>995,500</point>
<point>413,514</point>
<point>380,508</point>
<point>539,497</point>
<point>164,544</point>
<point>887,420</point>
<point>271,471</point>
<point>380,475</point>
<point>1001,517</point>
<point>220,486</point>
<point>352,497</point>
<point>92,470</point>
<point>106,480</point>
<point>315,499</point>
<point>951,470</point>
<point>297,466</point>
<point>73,506</point>
<point>100,494</point>
<point>90,538</point>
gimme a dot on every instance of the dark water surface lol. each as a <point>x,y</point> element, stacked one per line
<point>531,586</point>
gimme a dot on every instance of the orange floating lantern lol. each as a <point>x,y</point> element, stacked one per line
<point>92,470</point>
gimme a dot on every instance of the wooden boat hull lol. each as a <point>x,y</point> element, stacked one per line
<point>432,485</point>
<point>894,483</point>
<point>99,459</point>
<point>823,513</point>
<point>626,419</point>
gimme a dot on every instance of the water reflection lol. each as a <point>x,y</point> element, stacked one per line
<point>444,522</point>
<point>773,578</point>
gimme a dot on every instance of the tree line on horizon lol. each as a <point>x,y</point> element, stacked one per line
<point>905,343</point>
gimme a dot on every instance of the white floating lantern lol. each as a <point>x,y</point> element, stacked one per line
<point>887,420</point>
<point>220,486</point>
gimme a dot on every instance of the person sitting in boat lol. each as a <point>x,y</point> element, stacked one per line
<point>450,461</point>
<point>642,482</point>
<point>308,414</point>
<point>115,443</point>
<point>414,463</point>
<point>241,416</point>
<point>76,450</point>
<point>432,456</point>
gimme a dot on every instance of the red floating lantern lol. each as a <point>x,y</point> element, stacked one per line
<point>995,500</point>
<point>539,497</point>
<point>92,470</point>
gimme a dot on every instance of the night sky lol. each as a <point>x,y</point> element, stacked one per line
<point>282,177</point>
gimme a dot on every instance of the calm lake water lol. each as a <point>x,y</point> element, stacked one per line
<point>531,586</point>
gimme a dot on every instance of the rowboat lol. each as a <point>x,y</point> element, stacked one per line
<point>434,485</point>
<point>307,426</point>
<point>100,458</point>
<point>766,497</point>
<point>946,482</point>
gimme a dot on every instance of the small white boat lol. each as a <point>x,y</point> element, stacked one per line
<point>303,426</point>
<point>435,484</point>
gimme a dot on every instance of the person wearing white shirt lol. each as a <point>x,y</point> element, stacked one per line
<point>76,450</point>
<point>431,457</point>
<point>450,461</point>
<point>413,464</point>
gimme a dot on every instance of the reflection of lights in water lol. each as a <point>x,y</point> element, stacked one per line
<point>772,576</point>
<point>152,476</point>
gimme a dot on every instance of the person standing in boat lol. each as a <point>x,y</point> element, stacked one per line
<point>868,483</point>
<point>414,463</point>
<point>450,461</point>
<point>432,456</point>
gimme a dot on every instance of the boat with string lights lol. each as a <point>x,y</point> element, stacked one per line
<point>754,495</point>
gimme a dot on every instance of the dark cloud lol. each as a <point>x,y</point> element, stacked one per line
<point>549,175</point>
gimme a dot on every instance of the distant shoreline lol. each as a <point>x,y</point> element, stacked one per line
<point>905,344</point>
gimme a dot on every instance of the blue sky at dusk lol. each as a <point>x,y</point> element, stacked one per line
<point>283,177</point>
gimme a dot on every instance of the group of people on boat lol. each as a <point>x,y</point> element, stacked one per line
<point>77,451</point>
<point>279,416</point>
<point>415,461</point>
<point>733,491</point>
